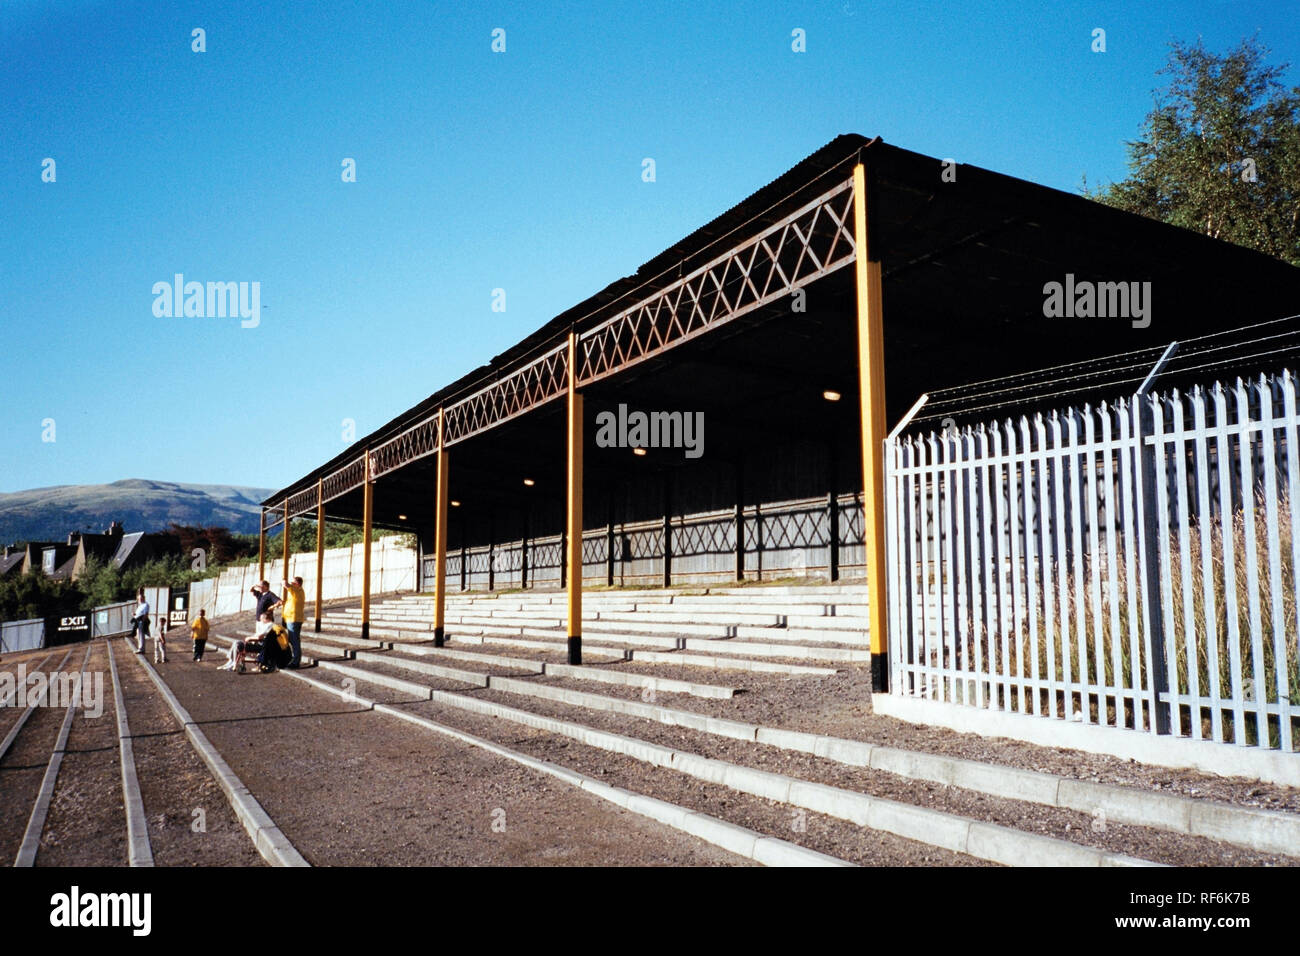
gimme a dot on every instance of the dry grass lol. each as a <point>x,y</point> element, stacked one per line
<point>1117,625</point>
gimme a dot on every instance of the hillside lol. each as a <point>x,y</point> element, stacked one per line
<point>48,514</point>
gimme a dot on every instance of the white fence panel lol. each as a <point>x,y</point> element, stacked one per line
<point>22,635</point>
<point>1130,565</point>
<point>392,568</point>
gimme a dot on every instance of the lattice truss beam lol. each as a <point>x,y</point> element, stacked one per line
<point>812,242</point>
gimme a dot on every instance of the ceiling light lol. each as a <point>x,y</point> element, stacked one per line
<point>455,504</point>
<point>401,517</point>
<point>638,451</point>
<point>831,396</point>
<point>529,482</point>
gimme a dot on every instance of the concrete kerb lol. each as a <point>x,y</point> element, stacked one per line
<point>138,850</point>
<point>770,851</point>
<point>271,843</point>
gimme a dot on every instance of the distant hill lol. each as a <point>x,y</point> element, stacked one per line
<point>48,514</point>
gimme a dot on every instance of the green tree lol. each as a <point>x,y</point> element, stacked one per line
<point>1220,153</point>
<point>34,595</point>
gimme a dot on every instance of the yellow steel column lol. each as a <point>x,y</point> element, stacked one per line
<point>320,547</point>
<point>574,542</point>
<point>261,546</point>
<point>286,540</point>
<point>871,381</point>
<point>367,516</point>
<point>440,541</point>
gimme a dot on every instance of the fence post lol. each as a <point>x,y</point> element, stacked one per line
<point>1155,634</point>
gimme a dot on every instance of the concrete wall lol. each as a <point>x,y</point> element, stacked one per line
<point>392,568</point>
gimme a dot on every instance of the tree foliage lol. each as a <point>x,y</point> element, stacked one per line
<point>1220,153</point>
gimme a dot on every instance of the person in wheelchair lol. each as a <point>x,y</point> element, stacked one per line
<point>276,649</point>
<point>239,650</point>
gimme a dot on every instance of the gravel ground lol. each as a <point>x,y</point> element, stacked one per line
<point>816,831</point>
<point>23,767</point>
<point>174,781</point>
<point>1142,842</point>
<point>349,786</point>
<point>86,825</point>
<point>840,706</point>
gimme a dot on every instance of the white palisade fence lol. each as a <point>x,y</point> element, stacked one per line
<point>1129,565</point>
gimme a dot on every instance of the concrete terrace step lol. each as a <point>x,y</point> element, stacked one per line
<point>637,656</point>
<point>604,675</point>
<point>803,635</point>
<point>726,647</point>
<point>687,616</point>
<point>960,834</point>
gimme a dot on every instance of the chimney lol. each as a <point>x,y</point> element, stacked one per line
<point>114,530</point>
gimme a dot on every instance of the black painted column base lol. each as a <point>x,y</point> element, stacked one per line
<point>439,636</point>
<point>317,625</point>
<point>575,648</point>
<point>365,630</point>
<point>880,673</point>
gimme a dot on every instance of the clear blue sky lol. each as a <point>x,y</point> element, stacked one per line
<point>475,171</point>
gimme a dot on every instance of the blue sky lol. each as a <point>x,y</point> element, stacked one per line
<point>475,171</point>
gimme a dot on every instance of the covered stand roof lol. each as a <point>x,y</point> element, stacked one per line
<point>707,325</point>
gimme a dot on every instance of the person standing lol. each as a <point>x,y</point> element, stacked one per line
<point>295,608</point>
<point>199,633</point>
<point>140,621</point>
<point>266,600</point>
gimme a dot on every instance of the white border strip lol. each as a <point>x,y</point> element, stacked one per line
<point>266,836</point>
<point>139,851</point>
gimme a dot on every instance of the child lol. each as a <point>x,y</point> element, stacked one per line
<point>160,644</point>
<point>199,633</point>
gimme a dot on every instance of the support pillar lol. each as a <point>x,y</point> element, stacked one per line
<point>492,554</point>
<point>320,549</point>
<point>261,546</point>
<point>367,518</point>
<point>740,520</point>
<point>871,382</point>
<point>440,542</point>
<point>609,539</point>
<point>523,551</point>
<point>574,524</point>
<point>668,530</point>
<point>464,551</point>
<point>833,509</point>
<point>286,539</point>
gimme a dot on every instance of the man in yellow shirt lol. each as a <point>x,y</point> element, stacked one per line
<point>199,633</point>
<point>294,603</point>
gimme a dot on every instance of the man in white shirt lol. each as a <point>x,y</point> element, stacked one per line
<point>140,622</point>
